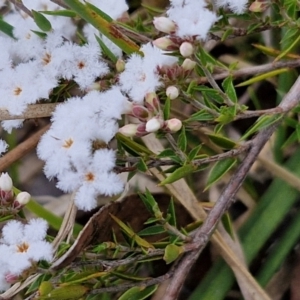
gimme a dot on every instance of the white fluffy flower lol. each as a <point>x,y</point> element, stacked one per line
<point>3,146</point>
<point>21,245</point>
<point>191,17</point>
<point>237,6</point>
<point>141,73</point>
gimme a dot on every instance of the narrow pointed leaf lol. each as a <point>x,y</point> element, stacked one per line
<point>41,21</point>
<point>263,77</point>
<point>93,17</point>
<point>138,293</point>
<point>219,170</point>
<point>6,28</point>
<point>179,173</point>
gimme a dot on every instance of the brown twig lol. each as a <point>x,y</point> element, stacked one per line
<point>22,149</point>
<point>21,6</point>
<point>32,112</point>
<point>203,234</point>
<point>126,286</point>
<point>60,3</point>
<point>256,70</point>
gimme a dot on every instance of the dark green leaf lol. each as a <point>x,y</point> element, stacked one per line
<point>167,108</point>
<point>222,141</point>
<point>181,172</point>
<point>182,140</point>
<point>194,152</point>
<point>138,293</point>
<point>6,28</point>
<point>61,13</point>
<point>41,21</point>
<point>106,50</point>
<point>219,170</point>
<point>152,230</point>
<point>229,89</point>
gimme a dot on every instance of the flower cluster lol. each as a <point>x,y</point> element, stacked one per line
<point>75,149</point>
<point>21,246</point>
<point>150,117</point>
<point>8,201</point>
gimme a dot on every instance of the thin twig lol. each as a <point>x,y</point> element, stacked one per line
<point>33,111</point>
<point>60,3</point>
<point>126,286</point>
<point>256,70</point>
<point>21,6</point>
<point>203,234</point>
<point>22,149</point>
<point>175,147</point>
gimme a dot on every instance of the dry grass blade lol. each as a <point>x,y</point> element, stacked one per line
<point>182,192</point>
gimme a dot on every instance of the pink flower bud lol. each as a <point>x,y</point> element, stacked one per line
<point>152,102</point>
<point>21,200</point>
<point>172,92</point>
<point>186,49</point>
<point>154,124</point>
<point>140,112</point>
<point>129,130</point>
<point>164,24</point>
<point>173,125</point>
<point>120,65</point>
<point>6,183</point>
<point>164,43</point>
<point>259,5</point>
<point>188,64</point>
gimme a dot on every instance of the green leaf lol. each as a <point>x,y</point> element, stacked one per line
<point>222,141</point>
<point>227,223</point>
<point>171,213</point>
<point>40,34</point>
<point>182,140</point>
<point>131,234</point>
<point>138,293</point>
<point>194,152</point>
<point>181,172</point>
<point>263,77</point>
<point>106,50</point>
<point>151,204</point>
<point>61,13</point>
<point>227,33</point>
<point>201,115</point>
<point>229,89</point>
<point>66,292</point>
<point>219,170</point>
<point>262,122</point>
<point>166,153</point>
<point>167,108</point>
<point>6,28</point>
<point>172,252</point>
<point>41,21</point>
<point>152,230</point>
<point>134,146</point>
<point>45,288</point>
<point>141,165</point>
<point>101,22</point>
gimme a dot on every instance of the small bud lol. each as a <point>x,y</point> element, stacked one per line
<point>152,102</point>
<point>164,24</point>
<point>154,124</point>
<point>11,278</point>
<point>173,125</point>
<point>172,92</point>
<point>186,49</point>
<point>140,112</point>
<point>120,65</point>
<point>21,200</point>
<point>259,5</point>
<point>164,43</point>
<point>188,64</point>
<point>6,183</point>
<point>129,130</point>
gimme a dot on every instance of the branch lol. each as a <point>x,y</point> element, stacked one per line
<point>60,3</point>
<point>203,234</point>
<point>21,6</point>
<point>22,149</point>
<point>33,111</point>
<point>126,286</point>
<point>253,70</point>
